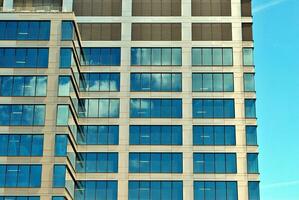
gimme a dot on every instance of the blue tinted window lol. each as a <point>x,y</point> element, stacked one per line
<point>249,83</point>
<point>98,190</point>
<point>61,142</point>
<point>212,82</point>
<point>22,115</point>
<point>25,30</point>
<point>251,135</point>
<point>213,108</point>
<point>62,115</point>
<point>156,108</point>
<point>214,163</point>
<point>156,82</point>
<point>252,163</point>
<point>100,135</point>
<point>58,198</point>
<point>155,163</point>
<point>66,57</point>
<point>253,190</point>
<point>21,145</point>
<point>160,190</point>
<point>20,176</point>
<point>101,82</point>
<point>67,30</point>
<point>64,85</point>
<point>248,57</point>
<point>97,162</point>
<point>212,56</point>
<point>156,56</point>
<point>59,173</point>
<point>24,57</point>
<point>155,135</point>
<point>214,190</point>
<point>214,135</point>
<point>250,111</point>
<point>100,108</point>
<point>23,85</point>
<point>101,56</point>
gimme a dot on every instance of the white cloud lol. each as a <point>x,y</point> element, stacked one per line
<point>281,184</point>
<point>267,5</point>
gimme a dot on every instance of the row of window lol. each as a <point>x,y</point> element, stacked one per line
<point>38,57</point>
<point>25,30</point>
<point>12,176</point>
<point>21,145</point>
<point>22,115</point>
<point>155,162</point>
<point>23,85</point>
<point>215,163</point>
<point>24,57</point>
<point>148,82</point>
<point>158,8</point>
<point>97,162</point>
<point>204,163</point>
<point>165,135</point>
<point>148,108</point>
<point>156,190</point>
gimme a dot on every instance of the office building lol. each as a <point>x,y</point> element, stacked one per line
<point>127,100</point>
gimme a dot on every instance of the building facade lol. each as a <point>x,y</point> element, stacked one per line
<point>127,100</point>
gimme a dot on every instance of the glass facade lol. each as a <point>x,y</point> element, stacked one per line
<point>213,108</point>
<point>98,135</point>
<point>212,82</point>
<point>156,135</point>
<point>215,163</point>
<point>156,163</point>
<point>212,56</point>
<point>100,82</point>
<point>160,190</point>
<point>215,190</point>
<point>100,56</point>
<point>153,115</point>
<point>22,115</point>
<point>155,108</point>
<point>214,135</point>
<point>20,176</point>
<point>23,85</point>
<point>156,82</point>
<point>24,57</point>
<point>24,30</point>
<point>99,108</point>
<point>250,111</point>
<point>97,190</point>
<point>252,163</point>
<point>97,162</point>
<point>21,145</point>
<point>253,190</point>
<point>156,56</point>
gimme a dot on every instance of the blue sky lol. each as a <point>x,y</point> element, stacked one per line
<point>276,36</point>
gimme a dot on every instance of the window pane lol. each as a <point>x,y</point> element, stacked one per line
<point>166,56</point>
<point>227,56</point>
<point>248,56</point>
<point>253,190</point>
<point>249,84</point>
<point>252,163</point>
<point>250,108</point>
<point>217,56</point>
<point>156,56</point>
<point>251,135</point>
<point>176,56</point>
<point>207,56</point>
<point>196,56</point>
